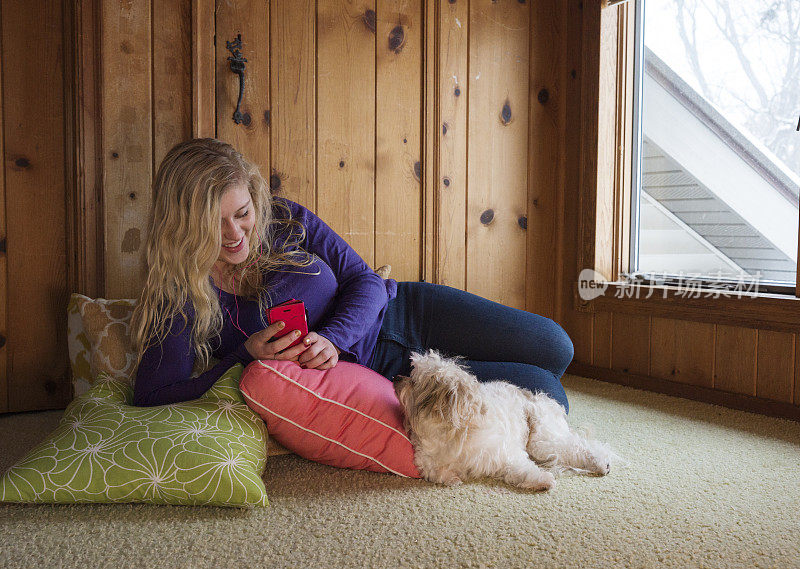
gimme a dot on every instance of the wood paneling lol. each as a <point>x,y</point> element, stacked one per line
<point>497,166</point>
<point>451,185</point>
<point>4,292</point>
<point>85,235</point>
<point>342,107</point>
<point>398,144</point>
<point>602,338</point>
<point>775,371</point>
<point>797,369</point>
<point>203,69</point>
<point>682,351</point>
<point>293,120</point>
<point>431,141</point>
<point>547,96</point>
<point>35,233</point>
<point>346,121</point>
<point>172,76</point>
<point>579,325</point>
<point>630,346</point>
<point>735,359</point>
<point>127,135</point>
<point>250,18</point>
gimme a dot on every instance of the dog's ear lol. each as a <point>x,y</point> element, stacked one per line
<point>465,403</point>
<point>401,385</point>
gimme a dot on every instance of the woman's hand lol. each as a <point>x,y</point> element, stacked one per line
<point>262,347</point>
<point>320,353</point>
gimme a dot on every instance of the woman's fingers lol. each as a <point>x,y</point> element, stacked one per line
<point>281,344</point>
<point>321,358</point>
<point>292,353</point>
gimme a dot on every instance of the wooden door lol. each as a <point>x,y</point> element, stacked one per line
<point>34,280</point>
<point>332,109</point>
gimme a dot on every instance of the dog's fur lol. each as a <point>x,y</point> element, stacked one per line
<point>463,429</point>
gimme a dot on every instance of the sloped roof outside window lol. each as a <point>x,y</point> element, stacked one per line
<point>713,200</point>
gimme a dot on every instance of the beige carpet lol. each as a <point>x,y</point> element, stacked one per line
<point>705,487</point>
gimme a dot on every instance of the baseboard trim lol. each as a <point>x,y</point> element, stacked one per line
<point>687,391</point>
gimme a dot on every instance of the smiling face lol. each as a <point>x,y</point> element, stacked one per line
<point>238,220</point>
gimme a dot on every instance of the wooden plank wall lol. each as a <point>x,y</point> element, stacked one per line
<point>352,105</point>
<point>738,366</point>
<point>497,151</point>
<point>334,93</point>
<point>33,230</point>
<point>146,109</point>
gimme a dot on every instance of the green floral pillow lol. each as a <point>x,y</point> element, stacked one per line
<point>209,451</point>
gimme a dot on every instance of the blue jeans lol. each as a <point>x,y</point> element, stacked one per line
<point>497,341</point>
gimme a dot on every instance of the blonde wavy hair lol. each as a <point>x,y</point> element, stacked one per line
<point>184,241</point>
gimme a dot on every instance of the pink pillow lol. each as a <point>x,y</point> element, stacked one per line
<point>347,416</point>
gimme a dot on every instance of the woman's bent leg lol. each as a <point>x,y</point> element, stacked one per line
<point>481,329</point>
<point>486,333</point>
<point>528,376</point>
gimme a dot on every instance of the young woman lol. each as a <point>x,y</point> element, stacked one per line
<point>221,250</point>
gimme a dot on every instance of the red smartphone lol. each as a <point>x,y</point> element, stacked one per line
<point>293,312</point>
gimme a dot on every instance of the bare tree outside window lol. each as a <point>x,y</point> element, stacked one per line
<point>745,58</point>
<point>718,166</point>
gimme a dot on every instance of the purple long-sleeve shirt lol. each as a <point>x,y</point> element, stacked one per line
<point>346,302</point>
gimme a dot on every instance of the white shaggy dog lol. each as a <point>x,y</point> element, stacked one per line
<point>463,429</point>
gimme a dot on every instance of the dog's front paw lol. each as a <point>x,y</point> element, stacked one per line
<point>542,481</point>
<point>445,476</point>
<point>452,480</point>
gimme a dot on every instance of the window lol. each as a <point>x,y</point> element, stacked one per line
<point>716,153</point>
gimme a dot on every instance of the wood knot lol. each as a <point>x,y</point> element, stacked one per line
<point>444,128</point>
<point>22,163</point>
<point>274,181</point>
<point>446,182</point>
<point>131,241</point>
<point>505,114</point>
<point>543,96</point>
<point>132,195</point>
<point>341,163</point>
<point>369,18</point>
<point>457,91</point>
<point>397,39</point>
<point>246,119</point>
<point>487,216</point>
<point>418,170</point>
<point>267,118</point>
<point>523,221</point>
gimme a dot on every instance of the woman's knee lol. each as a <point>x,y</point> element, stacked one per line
<point>556,391</point>
<point>560,349</point>
<point>564,347</point>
